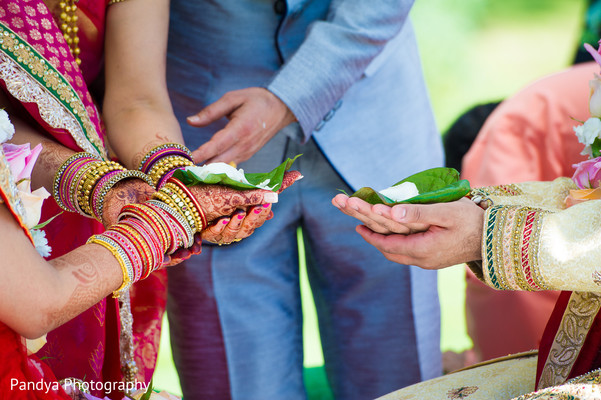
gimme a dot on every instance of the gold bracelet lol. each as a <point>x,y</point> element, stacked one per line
<point>166,164</point>
<point>192,212</point>
<point>121,256</point>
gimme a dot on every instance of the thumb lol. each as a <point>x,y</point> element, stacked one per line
<point>419,217</point>
<point>258,196</point>
<point>289,178</point>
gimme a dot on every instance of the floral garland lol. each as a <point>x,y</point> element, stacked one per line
<point>21,159</point>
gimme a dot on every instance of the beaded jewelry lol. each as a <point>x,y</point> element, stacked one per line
<point>188,236</point>
<point>161,161</point>
<point>64,176</point>
<point>69,27</point>
<point>103,187</point>
<point>121,256</point>
<point>199,212</point>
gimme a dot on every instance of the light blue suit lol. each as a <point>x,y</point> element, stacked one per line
<point>350,72</point>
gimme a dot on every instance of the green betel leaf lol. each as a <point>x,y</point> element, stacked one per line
<point>435,185</point>
<point>274,177</point>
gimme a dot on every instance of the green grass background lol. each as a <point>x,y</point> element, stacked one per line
<point>473,51</point>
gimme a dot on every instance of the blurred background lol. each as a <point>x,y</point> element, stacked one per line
<point>473,51</point>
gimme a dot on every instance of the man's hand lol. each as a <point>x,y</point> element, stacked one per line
<point>436,235</point>
<point>255,116</point>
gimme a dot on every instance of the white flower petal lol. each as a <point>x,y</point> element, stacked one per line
<point>404,191</point>
<point>7,130</point>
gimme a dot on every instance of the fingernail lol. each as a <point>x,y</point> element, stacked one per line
<point>225,221</point>
<point>194,119</point>
<point>271,197</point>
<point>266,205</point>
<point>400,213</point>
<point>240,216</point>
<point>257,211</point>
<point>356,208</point>
<point>340,204</point>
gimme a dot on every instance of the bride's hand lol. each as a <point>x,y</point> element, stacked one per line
<point>239,226</point>
<point>125,192</point>
<point>182,254</point>
<point>218,200</point>
<point>243,223</point>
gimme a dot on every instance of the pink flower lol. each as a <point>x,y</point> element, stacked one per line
<point>588,174</point>
<point>595,53</point>
<point>21,159</point>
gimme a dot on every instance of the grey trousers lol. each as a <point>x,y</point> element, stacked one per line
<point>235,311</point>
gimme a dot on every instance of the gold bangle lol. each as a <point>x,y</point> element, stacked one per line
<point>122,259</point>
<point>166,164</point>
<point>192,211</point>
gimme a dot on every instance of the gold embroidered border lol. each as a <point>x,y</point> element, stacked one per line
<point>576,321</point>
<point>533,249</point>
<point>489,245</point>
<point>510,273</point>
<point>511,248</point>
<point>516,250</point>
<point>501,190</point>
<point>26,88</point>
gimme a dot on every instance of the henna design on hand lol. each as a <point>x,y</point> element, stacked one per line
<point>92,285</point>
<point>123,193</point>
<point>160,139</point>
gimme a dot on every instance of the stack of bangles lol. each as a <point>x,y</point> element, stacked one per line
<point>161,162</point>
<point>145,232</point>
<point>83,181</point>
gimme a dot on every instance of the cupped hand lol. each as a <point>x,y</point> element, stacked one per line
<point>453,234</point>
<point>240,225</point>
<point>182,254</point>
<point>255,116</point>
<point>125,192</point>
<point>377,217</point>
<point>243,223</point>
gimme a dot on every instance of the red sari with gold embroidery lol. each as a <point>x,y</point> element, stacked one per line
<point>38,71</point>
<point>22,376</point>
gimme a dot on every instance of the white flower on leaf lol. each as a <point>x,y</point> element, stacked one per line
<point>404,191</point>
<point>7,130</point>
<point>231,172</point>
<point>589,131</point>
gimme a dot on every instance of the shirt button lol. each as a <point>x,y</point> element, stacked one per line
<point>279,7</point>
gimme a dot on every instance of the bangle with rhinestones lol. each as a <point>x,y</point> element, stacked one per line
<point>183,205</point>
<point>121,256</point>
<point>65,175</point>
<point>165,165</point>
<point>202,222</point>
<point>85,188</point>
<point>161,151</point>
<point>160,162</point>
<point>103,187</point>
<point>178,222</point>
